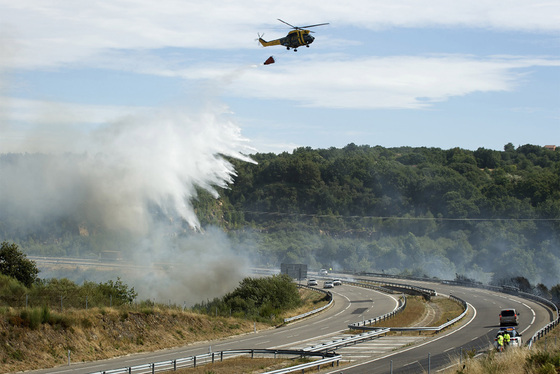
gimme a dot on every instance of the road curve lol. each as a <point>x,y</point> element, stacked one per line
<point>477,332</point>
<point>352,304</point>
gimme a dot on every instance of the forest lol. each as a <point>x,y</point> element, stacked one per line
<point>486,215</point>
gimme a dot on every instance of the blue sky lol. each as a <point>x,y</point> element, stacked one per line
<point>392,73</point>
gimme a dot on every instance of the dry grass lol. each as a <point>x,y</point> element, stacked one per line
<point>96,334</point>
<point>511,361</point>
<point>311,300</point>
<point>414,311</point>
<point>537,360</point>
<point>449,309</point>
<point>239,365</point>
<point>419,312</point>
<point>104,333</point>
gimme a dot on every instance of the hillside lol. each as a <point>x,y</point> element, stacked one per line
<point>486,215</point>
<point>103,333</point>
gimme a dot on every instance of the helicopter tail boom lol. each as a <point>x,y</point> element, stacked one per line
<point>264,43</point>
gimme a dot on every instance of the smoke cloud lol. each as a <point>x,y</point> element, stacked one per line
<point>137,177</point>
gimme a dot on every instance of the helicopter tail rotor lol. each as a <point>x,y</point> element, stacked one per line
<point>260,39</point>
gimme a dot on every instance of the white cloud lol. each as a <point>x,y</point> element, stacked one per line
<point>397,82</point>
<point>405,82</point>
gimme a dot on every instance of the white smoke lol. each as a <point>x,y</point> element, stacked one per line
<point>124,171</point>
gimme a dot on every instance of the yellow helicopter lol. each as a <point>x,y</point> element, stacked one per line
<point>296,38</point>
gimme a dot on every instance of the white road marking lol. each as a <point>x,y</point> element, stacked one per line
<point>422,344</point>
<point>411,363</point>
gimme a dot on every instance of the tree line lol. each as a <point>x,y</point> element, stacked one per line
<point>486,214</point>
<point>20,286</point>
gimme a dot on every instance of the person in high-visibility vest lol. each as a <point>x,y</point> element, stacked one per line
<point>500,341</point>
<point>506,338</point>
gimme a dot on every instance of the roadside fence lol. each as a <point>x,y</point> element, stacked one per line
<point>322,358</point>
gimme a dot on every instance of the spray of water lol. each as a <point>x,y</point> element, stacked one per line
<point>125,172</point>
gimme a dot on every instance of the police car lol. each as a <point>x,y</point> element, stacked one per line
<point>514,337</point>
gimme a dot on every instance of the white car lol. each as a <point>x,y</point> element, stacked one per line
<point>337,282</point>
<point>312,282</point>
<point>328,284</point>
<point>515,339</point>
<point>323,272</point>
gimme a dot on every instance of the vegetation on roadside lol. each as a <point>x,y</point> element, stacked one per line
<point>418,310</point>
<point>542,358</point>
<point>63,293</point>
<point>100,333</point>
<point>511,361</point>
<point>38,326</point>
<point>262,299</point>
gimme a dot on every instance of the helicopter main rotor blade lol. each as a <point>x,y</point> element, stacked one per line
<point>319,24</point>
<point>292,26</point>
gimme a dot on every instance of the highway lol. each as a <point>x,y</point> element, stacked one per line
<point>477,332</point>
<point>407,354</point>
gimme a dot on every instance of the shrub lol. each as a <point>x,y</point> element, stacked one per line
<point>45,314</point>
<point>86,323</point>
<point>543,362</point>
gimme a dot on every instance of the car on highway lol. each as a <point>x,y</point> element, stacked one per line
<point>323,272</point>
<point>328,284</point>
<point>337,282</point>
<point>509,317</point>
<point>312,282</point>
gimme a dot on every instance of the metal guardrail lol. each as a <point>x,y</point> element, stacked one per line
<point>505,289</point>
<point>441,327</point>
<point>515,291</point>
<point>400,308</point>
<point>350,340</point>
<point>546,329</point>
<point>356,326</point>
<point>420,290</point>
<point>326,350</point>
<point>193,361</point>
<point>368,284</point>
<point>301,368</point>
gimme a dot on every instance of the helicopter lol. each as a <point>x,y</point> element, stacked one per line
<point>296,38</point>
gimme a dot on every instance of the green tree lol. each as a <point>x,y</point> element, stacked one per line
<point>119,291</point>
<point>15,264</point>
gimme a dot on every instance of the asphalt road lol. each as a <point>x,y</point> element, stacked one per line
<point>351,304</point>
<point>477,332</point>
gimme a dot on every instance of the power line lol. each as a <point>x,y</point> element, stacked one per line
<point>283,214</point>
